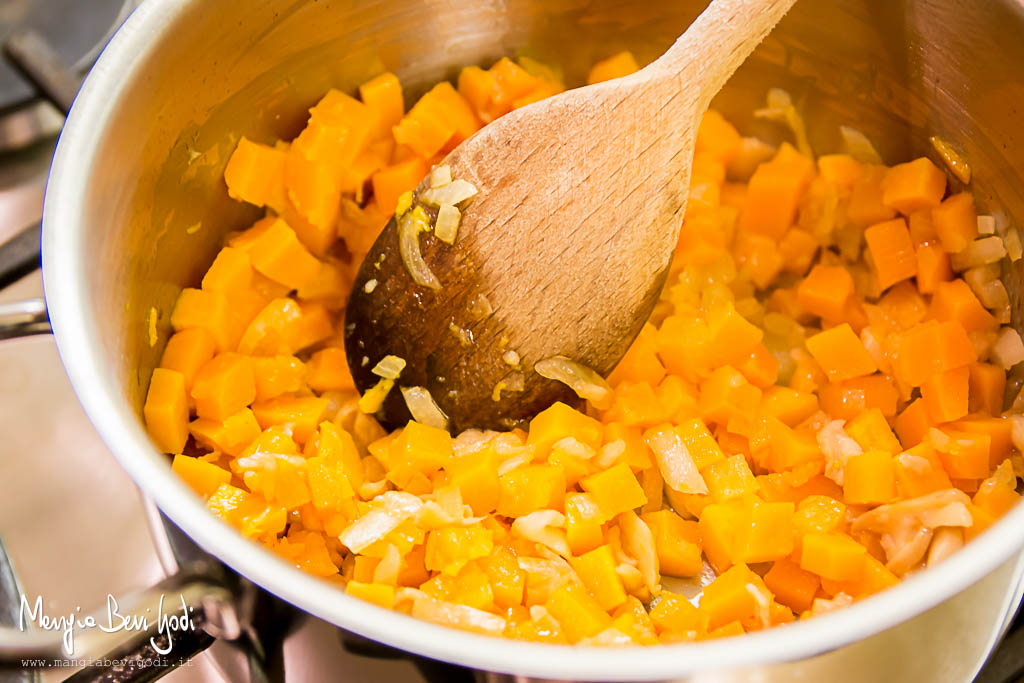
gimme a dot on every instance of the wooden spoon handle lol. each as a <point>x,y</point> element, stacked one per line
<point>715,45</point>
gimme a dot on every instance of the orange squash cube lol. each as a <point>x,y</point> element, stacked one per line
<point>832,556</point>
<point>203,477</point>
<point>892,252</point>
<point>224,386</point>
<point>616,66</point>
<point>841,354</point>
<point>870,478</point>
<point>791,585</point>
<point>232,436</point>
<point>956,222</point>
<point>530,488</point>
<point>615,490</point>
<point>187,351</point>
<point>913,186</point>
<point>945,395</point>
<point>596,569</point>
<point>825,292</point>
<point>559,422</point>
<point>579,615</point>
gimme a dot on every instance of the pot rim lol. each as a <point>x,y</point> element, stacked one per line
<point>75,328</point>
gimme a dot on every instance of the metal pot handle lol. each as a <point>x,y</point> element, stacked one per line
<point>183,615</point>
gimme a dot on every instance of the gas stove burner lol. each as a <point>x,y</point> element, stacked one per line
<point>76,29</point>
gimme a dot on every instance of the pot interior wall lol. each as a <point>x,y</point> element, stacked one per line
<point>900,71</point>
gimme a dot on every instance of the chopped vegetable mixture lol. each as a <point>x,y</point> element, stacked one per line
<point>814,411</point>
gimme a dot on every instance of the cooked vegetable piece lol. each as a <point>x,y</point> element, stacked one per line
<point>821,382</point>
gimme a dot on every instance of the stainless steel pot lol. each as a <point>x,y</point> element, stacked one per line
<point>139,164</point>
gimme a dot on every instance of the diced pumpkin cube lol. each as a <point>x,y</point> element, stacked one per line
<point>914,185</point>
<point>231,436</point>
<point>791,585</point>
<point>277,375</point>
<point>913,423</point>
<point>279,255</point>
<point>892,252</point>
<point>579,615</point>
<point>945,395</point>
<point>832,556</point>
<point>420,448</point>
<point>675,614</point>
<point>530,488</point>
<point>507,580</point>
<point>870,478</point>
<point>224,386</point>
<point>954,301</point>
<point>717,137</point>
<point>382,95</point>
<point>773,194</point>
<point>986,383</point>
<point>255,173</point>
<point>871,430</point>
<point>616,66</point>
<point>615,490</point>
<point>302,414</point>
<point>840,353</point>
<point>380,594</point>
<point>726,394</point>
<point>735,595</point>
<point>449,549</point>
<point>825,292</point>
<point>596,569</point>
<point>210,311</point>
<point>677,541</point>
<point>729,478</point>
<point>966,455</point>
<point>919,472</point>
<point>476,477</point>
<point>956,222</point>
<point>789,406</point>
<point>559,422</point>
<point>583,520</point>
<point>933,267</point>
<point>931,348</point>
<point>166,410</point>
<point>203,477</point>
<point>329,487</point>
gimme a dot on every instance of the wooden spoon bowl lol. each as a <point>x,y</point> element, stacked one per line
<point>567,245</point>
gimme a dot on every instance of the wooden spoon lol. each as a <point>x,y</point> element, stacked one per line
<point>566,246</point>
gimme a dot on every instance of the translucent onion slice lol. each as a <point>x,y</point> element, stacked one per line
<point>979,253</point>
<point>1008,349</point>
<point>675,462</point>
<point>545,527</point>
<point>781,110</point>
<point>1013,245</point>
<point>857,145</point>
<point>389,510</point>
<point>837,446</point>
<point>986,225</point>
<point>453,193</point>
<point>422,407</point>
<point>440,176</point>
<point>638,542</point>
<point>459,616</point>
<point>389,367</point>
<point>585,382</point>
<point>446,227</point>
<point>410,226</point>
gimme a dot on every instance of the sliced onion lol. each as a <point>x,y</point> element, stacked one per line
<point>986,225</point>
<point>838,447</point>
<point>545,527</point>
<point>422,407</point>
<point>857,145</point>
<point>459,616</point>
<point>409,227</point>
<point>752,153</point>
<point>1008,349</point>
<point>675,462</point>
<point>780,109</point>
<point>480,307</point>
<point>638,542</point>
<point>440,176</point>
<point>510,357</point>
<point>980,252</point>
<point>388,511</point>
<point>446,227</point>
<point>1013,245</point>
<point>453,193</point>
<point>945,542</point>
<point>585,382</point>
<point>389,367</point>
